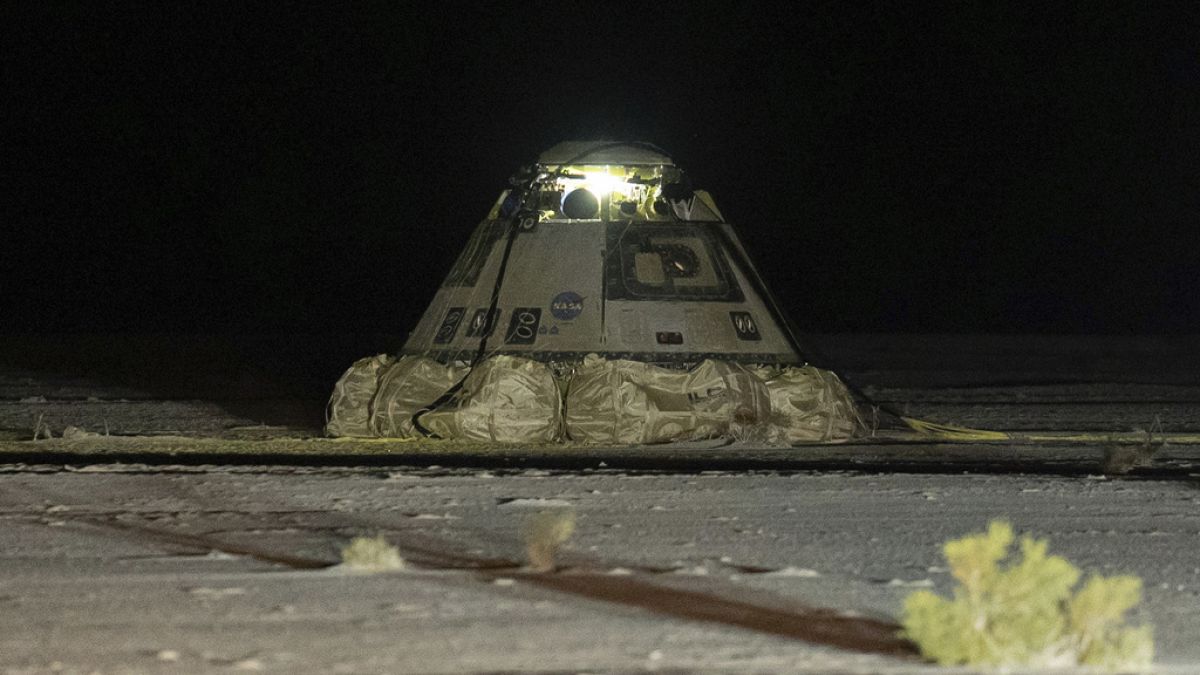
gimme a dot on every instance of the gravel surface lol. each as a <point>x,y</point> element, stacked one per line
<point>701,557</point>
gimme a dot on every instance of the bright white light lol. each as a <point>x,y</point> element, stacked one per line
<point>601,183</point>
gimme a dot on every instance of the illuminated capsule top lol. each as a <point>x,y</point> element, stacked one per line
<point>613,253</point>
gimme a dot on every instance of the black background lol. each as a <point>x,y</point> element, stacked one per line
<point>913,167</point>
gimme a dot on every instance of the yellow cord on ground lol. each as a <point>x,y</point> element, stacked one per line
<point>380,441</point>
<point>1112,437</point>
<point>947,432</point>
<point>952,433</point>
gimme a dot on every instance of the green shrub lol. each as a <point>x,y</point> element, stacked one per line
<point>1025,614</point>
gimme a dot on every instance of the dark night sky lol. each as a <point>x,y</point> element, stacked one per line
<point>908,167</point>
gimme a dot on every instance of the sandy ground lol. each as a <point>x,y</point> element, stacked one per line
<point>116,556</point>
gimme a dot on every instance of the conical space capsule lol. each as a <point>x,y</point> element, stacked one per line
<point>602,300</point>
<point>604,248</point>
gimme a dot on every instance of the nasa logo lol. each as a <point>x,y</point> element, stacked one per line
<point>566,306</point>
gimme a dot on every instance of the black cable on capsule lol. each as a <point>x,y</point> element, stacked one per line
<point>514,226</point>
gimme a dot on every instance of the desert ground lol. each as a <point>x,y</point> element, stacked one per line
<point>184,515</point>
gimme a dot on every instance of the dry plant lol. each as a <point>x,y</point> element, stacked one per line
<point>41,429</point>
<point>1120,458</point>
<point>73,433</point>
<point>544,532</point>
<point>371,554</point>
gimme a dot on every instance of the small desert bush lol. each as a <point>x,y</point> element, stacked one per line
<point>371,554</point>
<point>1026,614</point>
<point>544,532</point>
